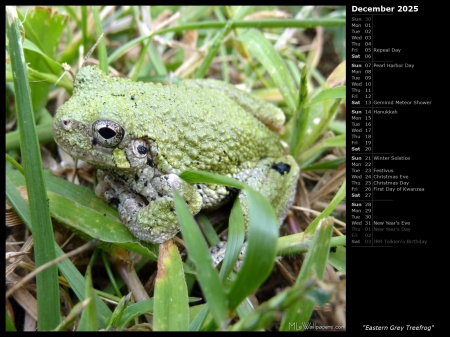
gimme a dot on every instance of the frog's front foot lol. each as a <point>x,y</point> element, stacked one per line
<point>151,220</point>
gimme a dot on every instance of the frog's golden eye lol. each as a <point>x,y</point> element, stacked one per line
<point>107,133</point>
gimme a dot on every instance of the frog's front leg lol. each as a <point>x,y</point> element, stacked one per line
<point>152,220</point>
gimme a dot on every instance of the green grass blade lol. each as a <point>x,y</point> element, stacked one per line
<point>171,304</point>
<point>331,93</point>
<point>236,236</point>
<point>297,244</point>
<point>72,316</point>
<point>53,65</point>
<point>109,272</point>
<point>216,43</point>
<point>337,76</point>
<point>338,259</point>
<point>102,57</point>
<point>192,176</point>
<point>134,310</point>
<point>262,49</point>
<point>84,28</point>
<point>194,311</point>
<point>338,127</point>
<point>14,164</point>
<point>299,121</point>
<point>34,75</point>
<point>88,320</point>
<point>336,141</point>
<point>197,322</point>
<point>47,281</point>
<point>44,133</point>
<point>207,229</point>
<point>261,248</point>
<point>40,76</point>
<point>308,155</point>
<point>207,276</point>
<point>269,23</point>
<point>126,47</point>
<point>245,308</point>
<point>340,195</point>
<point>9,325</point>
<point>73,14</point>
<point>323,112</point>
<point>325,165</point>
<point>313,267</point>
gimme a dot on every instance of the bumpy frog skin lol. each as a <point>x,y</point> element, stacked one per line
<point>141,136</point>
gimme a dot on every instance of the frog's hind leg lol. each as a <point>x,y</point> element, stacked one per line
<point>286,172</point>
<point>276,180</point>
<point>214,196</point>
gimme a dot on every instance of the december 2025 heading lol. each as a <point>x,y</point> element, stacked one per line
<point>385,9</point>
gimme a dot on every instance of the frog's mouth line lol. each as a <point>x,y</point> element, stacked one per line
<point>95,155</point>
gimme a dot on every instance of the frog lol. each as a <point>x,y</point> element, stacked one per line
<point>141,136</point>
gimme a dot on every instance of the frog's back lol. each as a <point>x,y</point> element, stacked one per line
<point>203,129</point>
<point>191,127</point>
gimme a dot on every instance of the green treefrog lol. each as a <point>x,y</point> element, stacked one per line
<point>142,136</point>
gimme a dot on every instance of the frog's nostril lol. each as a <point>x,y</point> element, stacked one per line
<point>66,124</point>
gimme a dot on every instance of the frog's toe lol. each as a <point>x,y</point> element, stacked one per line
<point>157,222</point>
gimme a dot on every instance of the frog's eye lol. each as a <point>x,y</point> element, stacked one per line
<point>107,133</point>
